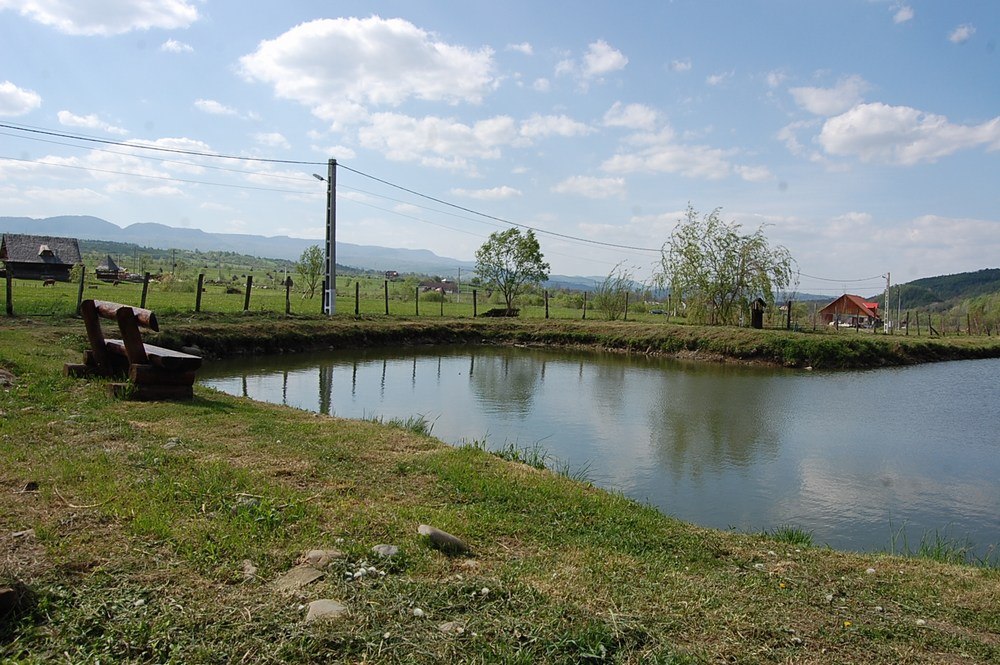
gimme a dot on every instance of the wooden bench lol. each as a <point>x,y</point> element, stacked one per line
<point>154,372</point>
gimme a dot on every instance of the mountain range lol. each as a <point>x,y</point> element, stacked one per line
<point>365,257</point>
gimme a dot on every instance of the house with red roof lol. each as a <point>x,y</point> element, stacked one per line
<point>851,310</point>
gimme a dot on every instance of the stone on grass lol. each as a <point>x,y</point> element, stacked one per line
<point>325,610</point>
<point>249,570</point>
<point>385,551</point>
<point>320,559</point>
<point>443,540</point>
<point>296,578</point>
<point>452,628</point>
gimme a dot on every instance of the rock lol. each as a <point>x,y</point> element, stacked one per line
<point>249,570</point>
<point>443,540</point>
<point>325,610</point>
<point>7,378</point>
<point>172,442</point>
<point>320,559</point>
<point>385,551</point>
<point>27,533</point>
<point>296,578</point>
<point>417,612</point>
<point>452,628</point>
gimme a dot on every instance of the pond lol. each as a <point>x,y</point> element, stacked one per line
<point>864,460</point>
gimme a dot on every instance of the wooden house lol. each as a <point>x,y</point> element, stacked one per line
<point>39,257</point>
<point>850,310</point>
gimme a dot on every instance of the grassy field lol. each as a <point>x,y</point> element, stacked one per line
<point>155,532</point>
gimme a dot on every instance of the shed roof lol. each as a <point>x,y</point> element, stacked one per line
<point>16,248</point>
<point>109,265</point>
<point>851,304</point>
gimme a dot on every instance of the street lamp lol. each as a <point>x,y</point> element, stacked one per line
<point>330,292</point>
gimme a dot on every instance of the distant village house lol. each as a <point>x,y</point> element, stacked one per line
<point>39,257</point>
<point>109,271</point>
<point>851,311</point>
<point>444,286</point>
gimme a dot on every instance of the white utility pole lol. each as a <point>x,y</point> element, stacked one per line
<point>330,293</point>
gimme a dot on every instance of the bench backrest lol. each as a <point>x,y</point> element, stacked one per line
<point>129,319</point>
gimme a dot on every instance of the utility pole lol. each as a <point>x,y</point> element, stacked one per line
<point>330,295</point>
<point>887,324</point>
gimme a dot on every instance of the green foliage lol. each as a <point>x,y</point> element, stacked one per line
<point>509,261</point>
<point>310,269</point>
<point>791,535</point>
<point>717,271</point>
<point>611,295</point>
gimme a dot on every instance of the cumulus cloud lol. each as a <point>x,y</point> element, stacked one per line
<point>831,101</point>
<point>17,101</point>
<point>661,153</point>
<point>174,46</point>
<point>523,47</point>
<point>540,126</point>
<point>341,67</point>
<point>902,135</point>
<point>272,140</point>
<point>213,107</point>
<point>632,116</point>
<point>718,79</point>
<point>961,34</point>
<point>437,142</point>
<point>90,121</point>
<point>902,13</point>
<point>590,187</point>
<point>108,17</point>
<point>601,58</point>
<point>491,194</point>
<point>753,173</point>
<point>680,65</point>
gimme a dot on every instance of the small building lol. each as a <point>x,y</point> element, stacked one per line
<point>851,311</point>
<point>444,286</point>
<point>39,257</point>
<point>392,275</point>
<point>110,271</point>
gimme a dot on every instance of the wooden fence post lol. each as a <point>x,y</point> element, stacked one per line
<point>474,303</point>
<point>246,298</point>
<point>788,319</point>
<point>416,300</point>
<point>322,305</point>
<point>288,297</point>
<point>10,293</point>
<point>625,317</point>
<point>442,303</point>
<point>585,305</point>
<point>197,300</point>
<point>357,298</point>
<point>79,293</point>
<point>145,290</point>
<point>385,286</point>
<point>546,303</point>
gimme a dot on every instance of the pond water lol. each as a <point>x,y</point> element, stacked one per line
<point>862,459</point>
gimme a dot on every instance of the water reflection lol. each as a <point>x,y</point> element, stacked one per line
<point>843,455</point>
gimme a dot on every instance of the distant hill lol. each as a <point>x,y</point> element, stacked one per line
<point>367,257</point>
<point>944,291</point>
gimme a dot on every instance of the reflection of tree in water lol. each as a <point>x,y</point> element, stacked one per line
<point>710,418</point>
<point>505,380</point>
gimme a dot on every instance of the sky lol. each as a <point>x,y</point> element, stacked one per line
<point>862,135</point>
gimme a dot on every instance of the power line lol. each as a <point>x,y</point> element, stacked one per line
<point>827,279</point>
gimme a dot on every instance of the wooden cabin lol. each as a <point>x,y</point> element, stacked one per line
<point>851,311</point>
<point>39,257</point>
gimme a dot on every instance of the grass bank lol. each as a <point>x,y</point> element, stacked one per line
<point>228,335</point>
<point>155,532</point>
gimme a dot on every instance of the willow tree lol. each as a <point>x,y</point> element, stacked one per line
<point>717,271</point>
<point>508,261</point>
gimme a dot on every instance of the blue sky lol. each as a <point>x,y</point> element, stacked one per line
<point>865,134</point>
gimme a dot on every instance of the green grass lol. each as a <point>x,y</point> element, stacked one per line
<point>144,514</point>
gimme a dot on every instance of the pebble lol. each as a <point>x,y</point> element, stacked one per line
<point>385,550</point>
<point>417,612</point>
<point>921,622</point>
<point>452,628</point>
<point>870,571</point>
<point>320,559</point>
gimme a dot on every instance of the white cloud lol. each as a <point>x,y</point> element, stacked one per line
<point>213,107</point>
<point>601,58</point>
<point>108,17</point>
<point>17,101</point>
<point>335,151</point>
<point>340,67</point>
<point>523,47</point>
<point>753,173</point>
<point>590,187</point>
<point>272,139</point>
<point>174,46</point>
<point>902,135</point>
<point>775,78</point>
<point>632,116</point>
<point>961,34</point>
<point>540,126</point>
<point>680,65</point>
<point>437,142</point>
<point>90,121</point>
<point>719,79</point>
<point>831,101</point>
<point>902,13</point>
<point>661,153</point>
<point>492,194</point>
<point>542,85</point>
